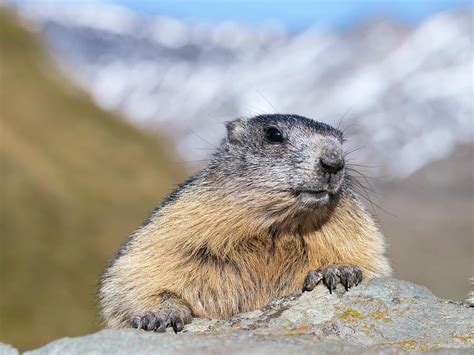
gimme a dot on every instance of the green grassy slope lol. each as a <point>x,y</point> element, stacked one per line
<point>74,182</point>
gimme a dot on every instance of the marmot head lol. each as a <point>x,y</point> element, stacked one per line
<point>287,160</point>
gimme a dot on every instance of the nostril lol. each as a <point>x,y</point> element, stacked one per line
<point>332,165</point>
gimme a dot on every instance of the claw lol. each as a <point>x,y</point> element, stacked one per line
<point>347,276</point>
<point>172,317</point>
<point>136,322</point>
<point>151,323</point>
<point>330,278</point>
<point>358,275</point>
<point>313,278</point>
<point>145,322</point>
<point>177,324</point>
<point>161,326</point>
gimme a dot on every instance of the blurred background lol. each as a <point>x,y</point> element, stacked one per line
<point>106,105</point>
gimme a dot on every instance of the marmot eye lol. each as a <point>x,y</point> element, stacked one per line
<point>274,135</point>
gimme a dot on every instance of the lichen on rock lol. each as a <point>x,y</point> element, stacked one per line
<point>383,316</point>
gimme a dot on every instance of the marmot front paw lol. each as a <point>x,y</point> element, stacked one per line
<point>158,322</point>
<point>347,275</point>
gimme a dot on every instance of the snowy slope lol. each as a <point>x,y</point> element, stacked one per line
<point>406,93</point>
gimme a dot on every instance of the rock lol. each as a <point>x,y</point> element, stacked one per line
<point>6,349</point>
<point>382,316</point>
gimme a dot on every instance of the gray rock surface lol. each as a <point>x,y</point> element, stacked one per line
<point>383,316</point>
<point>6,349</point>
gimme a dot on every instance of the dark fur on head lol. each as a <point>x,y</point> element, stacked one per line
<point>288,174</point>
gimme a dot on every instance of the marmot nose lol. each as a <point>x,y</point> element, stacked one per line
<point>332,163</point>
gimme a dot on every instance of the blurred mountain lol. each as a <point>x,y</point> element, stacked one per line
<point>428,219</point>
<point>407,91</point>
<point>74,182</point>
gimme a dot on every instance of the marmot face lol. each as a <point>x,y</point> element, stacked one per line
<point>292,160</point>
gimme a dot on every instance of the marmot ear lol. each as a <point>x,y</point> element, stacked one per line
<point>236,130</point>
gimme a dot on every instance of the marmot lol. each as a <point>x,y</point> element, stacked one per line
<point>272,214</point>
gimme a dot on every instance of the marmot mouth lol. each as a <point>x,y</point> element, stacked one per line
<point>318,194</point>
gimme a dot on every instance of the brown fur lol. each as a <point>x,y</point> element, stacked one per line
<point>244,230</point>
<point>219,256</point>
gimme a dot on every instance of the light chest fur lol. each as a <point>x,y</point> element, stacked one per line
<point>221,262</point>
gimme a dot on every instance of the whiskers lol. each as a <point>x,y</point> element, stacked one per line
<point>362,185</point>
<point>360,182</point>
<point>353,150</point>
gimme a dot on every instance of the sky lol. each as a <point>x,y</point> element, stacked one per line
<point>296,14</point>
